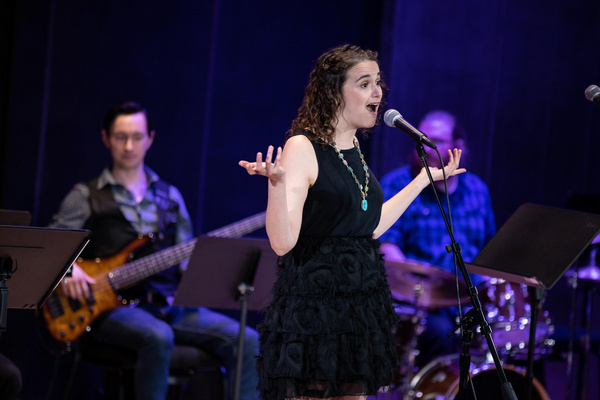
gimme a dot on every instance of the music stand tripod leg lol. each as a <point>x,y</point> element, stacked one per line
<point>244,290</point>
<point>6,264</point>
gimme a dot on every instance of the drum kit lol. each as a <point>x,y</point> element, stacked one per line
<point>418,289</point>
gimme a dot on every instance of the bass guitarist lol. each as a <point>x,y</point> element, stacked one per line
<point>128,201</point>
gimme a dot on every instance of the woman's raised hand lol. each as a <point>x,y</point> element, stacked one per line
<point>451,168</point>
<point>271,170</point>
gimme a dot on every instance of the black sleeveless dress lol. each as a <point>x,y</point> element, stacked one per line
<point>328,330</point>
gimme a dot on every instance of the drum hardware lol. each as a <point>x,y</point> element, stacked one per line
<point>426,287</point>
<point>513,255</point>
<point>521,328</point>
<point>439,380</point>
<point>418,288</point>
<point>423,285</point>
<point>406,335</point>
<point>506,305</point>
<point>587,279</point>
<point>509,312</point>
<point>536,294</point>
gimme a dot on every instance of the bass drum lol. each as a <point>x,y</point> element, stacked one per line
<point>439,380</point>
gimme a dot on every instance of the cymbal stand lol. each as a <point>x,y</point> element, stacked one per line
<point>411,351</point>
<point>536,295</point>
<point>586,278</point>
<point>506,387</point>
<point>418,327</point>
<point>572,320</point>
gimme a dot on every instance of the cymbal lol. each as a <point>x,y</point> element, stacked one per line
<point>591,273</point>
<point>423,285</point>
<point>588,273</point>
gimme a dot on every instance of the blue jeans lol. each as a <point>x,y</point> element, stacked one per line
<point>153,331</point>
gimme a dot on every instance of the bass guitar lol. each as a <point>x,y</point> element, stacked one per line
<point>67,319</point>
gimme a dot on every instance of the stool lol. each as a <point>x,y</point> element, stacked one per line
<point>186,361</point>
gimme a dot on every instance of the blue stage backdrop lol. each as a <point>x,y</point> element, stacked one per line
<point>222,79</point>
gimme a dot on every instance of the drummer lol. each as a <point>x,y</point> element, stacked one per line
<point>420,234</point>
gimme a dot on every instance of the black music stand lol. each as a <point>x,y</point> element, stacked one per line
<point>535,247</point>
<point>33,261</point>
<point>222,273</point>
<point>15,217</point>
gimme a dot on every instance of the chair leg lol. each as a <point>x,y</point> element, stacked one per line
<point>194,384</point>
<point>177,386</point>
<point>117,383</point>
<point>224,380</point>
<point>121,383</point>
<point>72,372</point>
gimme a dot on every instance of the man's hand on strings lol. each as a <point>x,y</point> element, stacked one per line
<point>77,285</point>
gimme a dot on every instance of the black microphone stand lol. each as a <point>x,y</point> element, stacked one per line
<point>466,325</point>
<point>508,392</point>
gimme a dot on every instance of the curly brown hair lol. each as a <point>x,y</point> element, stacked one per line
<point>323,95</point>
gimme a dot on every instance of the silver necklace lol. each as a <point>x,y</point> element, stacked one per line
<point>364,204</point>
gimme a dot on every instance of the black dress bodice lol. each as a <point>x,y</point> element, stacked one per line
<point>333,204</point>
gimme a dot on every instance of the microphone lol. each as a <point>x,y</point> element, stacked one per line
<point>394,119</point>
<point>592,93</point>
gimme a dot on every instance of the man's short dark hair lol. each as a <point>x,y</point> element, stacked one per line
<point>126,108</point>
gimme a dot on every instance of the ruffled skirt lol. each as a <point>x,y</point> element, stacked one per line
<point>328,329</point>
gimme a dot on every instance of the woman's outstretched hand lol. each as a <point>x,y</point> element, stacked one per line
<point>451,168</point>
<point>271,170</point>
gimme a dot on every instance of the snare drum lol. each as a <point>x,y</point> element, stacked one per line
<point>440,380</point>
<point>508,311</point>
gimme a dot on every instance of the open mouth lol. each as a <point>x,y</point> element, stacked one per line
<point>373,107</point>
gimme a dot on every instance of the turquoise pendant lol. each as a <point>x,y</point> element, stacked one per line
<point>364,204</point>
